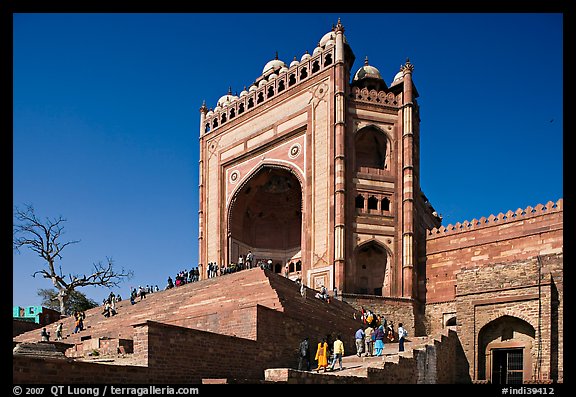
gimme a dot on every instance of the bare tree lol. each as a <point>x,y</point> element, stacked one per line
<point>44,238</point>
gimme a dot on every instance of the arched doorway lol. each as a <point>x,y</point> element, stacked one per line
<point>505,350</point>
<point>368,274</point>
<point>265,216</point>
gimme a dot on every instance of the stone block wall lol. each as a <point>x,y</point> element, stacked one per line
<point>513,294</point>
<point>503,238</point>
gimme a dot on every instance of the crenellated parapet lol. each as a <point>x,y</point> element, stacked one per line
<point>270,85</point>
<point>494,220</point>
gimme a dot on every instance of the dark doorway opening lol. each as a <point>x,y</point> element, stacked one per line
<point>507,366</point>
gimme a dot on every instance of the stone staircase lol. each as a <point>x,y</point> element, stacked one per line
<point>205,305</point>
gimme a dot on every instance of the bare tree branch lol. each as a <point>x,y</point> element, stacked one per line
<point>43,237</point>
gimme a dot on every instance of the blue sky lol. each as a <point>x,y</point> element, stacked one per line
<point>106,118</point>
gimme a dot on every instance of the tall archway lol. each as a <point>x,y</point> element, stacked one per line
<point>505,350</point>
<point>368,273</point>
<point>265,216</point>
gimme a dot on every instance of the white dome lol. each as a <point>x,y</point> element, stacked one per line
<point>283,69</point>
<point>217,108</point>
<point>295,62</point>
<point>328,36</point>
<point>210,113</point>
<point>243,93</point>
<point>272,76</point>
<point>273,64</point>
<point>399,76</point>
<point>329,43</point>
<point>252,88</point>
<point>262,83</point>
<point>317,50</point>
<point>226,99</point>
<point>305,56</point>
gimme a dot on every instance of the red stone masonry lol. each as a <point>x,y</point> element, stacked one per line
<point>506,237</point>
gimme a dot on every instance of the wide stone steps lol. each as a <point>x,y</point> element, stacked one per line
<point>178,306</point>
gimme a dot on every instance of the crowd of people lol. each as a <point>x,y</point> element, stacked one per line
<point>369,341</point>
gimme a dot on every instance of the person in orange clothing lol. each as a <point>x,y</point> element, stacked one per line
<point>322,355</point>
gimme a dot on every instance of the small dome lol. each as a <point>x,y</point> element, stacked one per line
<point>295,62</point>
<point>243,92</point>
<point>367,72</point>
<point>262,83</point>
<point>305,56</point>
<point>217,108</point>
<point>273,64</point>
<point>399,76</point>
<point>226,99</point>
<point>272,76</point>
<point>210,113</point>
<point>317,50</point>
<point>330,36</point>
<point>283,69</point>
<point>252,88</point>
<point>329,43</point>
<point>369,77</point>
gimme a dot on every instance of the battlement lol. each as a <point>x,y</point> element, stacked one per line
<point>495,220</point>
<point>269,86</point>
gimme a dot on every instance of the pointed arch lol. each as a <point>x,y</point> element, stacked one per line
<point>372,147</point>
<point>368,268</point>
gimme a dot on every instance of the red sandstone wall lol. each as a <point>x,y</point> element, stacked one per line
<point>504,238</point>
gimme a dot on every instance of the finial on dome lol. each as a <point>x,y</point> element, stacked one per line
<point>366,61</point>
<point>339,26</point>
<point>276,56</point>
<point>203,108</point>
<point>229,90</point>
<point>295,58</point>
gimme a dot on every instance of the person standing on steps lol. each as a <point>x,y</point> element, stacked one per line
<point>368,333</point>
<point>338,353</point>
<point>359,336</point>
<point>322,355</point>
<point>402,334</point>
<point>304,356</point>
<point>379,340</point>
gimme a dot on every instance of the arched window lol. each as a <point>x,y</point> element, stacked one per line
<point>292,80</point>
<point>315,67</point>
<point>371,149</point>
<point>385,204</point>
<point>359,201</point>
<point>281,86</point>
<point>372,203</point>
<point>299,266</point>
<point>291,267</point>
<point>303,74</point>
<point>277,268</point>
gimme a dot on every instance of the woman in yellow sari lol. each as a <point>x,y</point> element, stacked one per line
<point>322,355</point>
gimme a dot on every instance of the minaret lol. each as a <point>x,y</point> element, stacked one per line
<point>203,111</point>
<point>407,182</point>
<point>339,159</point>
